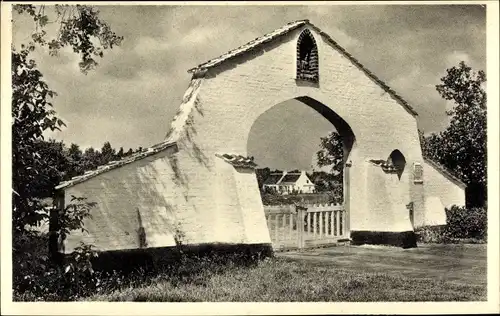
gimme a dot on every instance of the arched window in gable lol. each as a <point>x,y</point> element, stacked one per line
<point>307,57</point>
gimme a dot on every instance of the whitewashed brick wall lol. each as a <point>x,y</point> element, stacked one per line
<point>436,184</point>
<point>213,202</point>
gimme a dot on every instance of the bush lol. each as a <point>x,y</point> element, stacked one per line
<point>36,277</point>
<point>306,198</point>
<point>432,234</point>
<point>467,222</point>
<point>462,224</point>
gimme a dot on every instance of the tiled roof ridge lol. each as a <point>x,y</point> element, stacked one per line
<point>288,28</point>
<point>445,171</point>
<point>250,45</point>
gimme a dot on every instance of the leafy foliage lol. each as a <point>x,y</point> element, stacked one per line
<point>79,26</point>
<point>37,278</point>
<point>77,278</point>
<point>462,224</point>
<point>71,218</point>
<point>262,174</point>
<point>465,222</point>
<point>44,278</point>
<point>332,154</point>
<point>461,147</point>
<point>107,153</point>
<point>32,114</point>
<point>37,164</point>
<point>334,196</point>
<point>325,181</point>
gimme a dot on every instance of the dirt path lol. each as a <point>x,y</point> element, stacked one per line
<point>462,264</point>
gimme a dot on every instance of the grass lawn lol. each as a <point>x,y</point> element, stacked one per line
<point>348,274</point>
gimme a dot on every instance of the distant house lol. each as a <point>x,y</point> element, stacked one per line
<point>288,182</point>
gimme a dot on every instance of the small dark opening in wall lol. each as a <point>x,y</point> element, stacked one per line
<point>306,47</point>
<point>397,159</point>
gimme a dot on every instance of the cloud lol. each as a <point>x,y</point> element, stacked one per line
<point>132,96</point>
<point>200,36</point>
<point>454,58</point>
<point>429,104</point>
<point>149,45</point>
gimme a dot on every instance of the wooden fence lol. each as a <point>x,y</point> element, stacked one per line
<point>305,226</point>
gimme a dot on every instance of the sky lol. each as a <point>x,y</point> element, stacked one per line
<point>131,98</point>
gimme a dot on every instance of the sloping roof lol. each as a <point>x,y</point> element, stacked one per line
<point>273,178</point>
<point>189,101</point>
<point>278,178</point>
<point>250,45</point>
<point>116,164</point>
<point>285,30</point>
<point>290,178</point>
<point>238,161</point>
<point>446,172</point>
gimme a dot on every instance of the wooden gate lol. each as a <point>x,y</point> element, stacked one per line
<point>306,226</point>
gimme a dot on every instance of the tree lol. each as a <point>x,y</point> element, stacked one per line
<point>91,159</point>
<point>108,154</point>
<point>56,167</point>
<point>120,153</point>
<point>75,157</point>
<point>461,147</point>
<point>32,110</point>
<point>332,154</point>
<point>32,114</point>
<point>262,175</point>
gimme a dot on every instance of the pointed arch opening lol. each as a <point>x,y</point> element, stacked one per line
<point>344,130</point>
<point>291,149</point>
<point>307,57</point>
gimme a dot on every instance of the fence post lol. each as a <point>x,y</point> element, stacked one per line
<point>332,223</point>
<point>347,199</point>
<point>300,226</point>
<point>276,228</point>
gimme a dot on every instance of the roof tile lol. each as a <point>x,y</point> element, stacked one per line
<point>238,161</point>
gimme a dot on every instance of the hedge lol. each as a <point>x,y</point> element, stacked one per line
<point>462,224</point>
